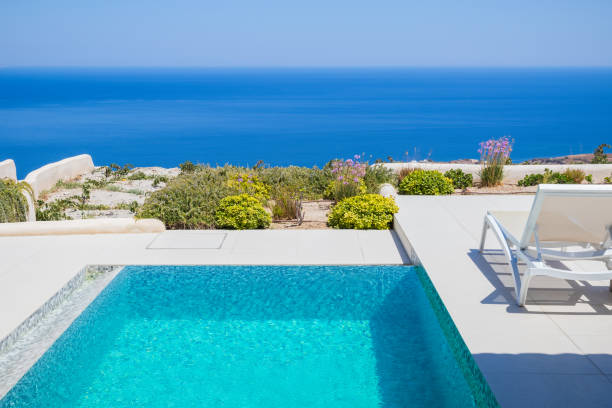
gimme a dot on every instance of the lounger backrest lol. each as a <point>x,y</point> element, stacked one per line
<point>570,213</point>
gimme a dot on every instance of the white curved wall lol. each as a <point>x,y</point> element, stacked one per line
<point>512,173</point>
<point>8,169</point>
<point>47,176</point>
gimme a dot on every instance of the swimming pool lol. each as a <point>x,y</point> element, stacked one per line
<point>258,336</point>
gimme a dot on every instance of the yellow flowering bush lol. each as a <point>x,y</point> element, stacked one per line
<point>245,183</point>
<point>241,212</point>
<point>367,211</point>
<point>426,182</point>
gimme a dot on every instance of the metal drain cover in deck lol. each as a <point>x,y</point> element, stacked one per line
<point>188,240</point>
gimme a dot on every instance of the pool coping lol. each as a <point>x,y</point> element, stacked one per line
<point>58,311</point>
<point>51,304</point>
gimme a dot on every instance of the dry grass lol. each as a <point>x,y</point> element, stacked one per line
<point>404,171</point>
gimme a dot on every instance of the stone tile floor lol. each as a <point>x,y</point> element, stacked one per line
<point>556,351</point>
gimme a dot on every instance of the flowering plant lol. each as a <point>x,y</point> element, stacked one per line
<point>241,212</point>
<point>348,178</point>
<point>426,182</point>
<point>494,154</point>
<point>367,211</point>
<point>245,183</point>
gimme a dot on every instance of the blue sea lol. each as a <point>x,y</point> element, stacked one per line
<point>297,116</point>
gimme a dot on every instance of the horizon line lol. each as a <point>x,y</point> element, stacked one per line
<point>305,66</point>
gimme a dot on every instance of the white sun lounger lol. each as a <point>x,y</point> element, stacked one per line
<point>566,222</point>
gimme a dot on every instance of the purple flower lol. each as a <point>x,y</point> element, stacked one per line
<point>356,180</point>
<point>340,177</point>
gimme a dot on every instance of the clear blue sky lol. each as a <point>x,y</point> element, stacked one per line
<point>305,33</point>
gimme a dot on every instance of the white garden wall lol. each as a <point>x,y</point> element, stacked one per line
<point>47,176</point>
<point>80,227</point>
<point>8,169</point>
<point>512,173</point>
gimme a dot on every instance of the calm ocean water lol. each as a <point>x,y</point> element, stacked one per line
<point>294,116</point>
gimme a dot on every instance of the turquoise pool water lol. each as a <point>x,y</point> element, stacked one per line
<point>246,336</point>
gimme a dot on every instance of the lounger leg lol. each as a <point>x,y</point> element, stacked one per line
<point>485,228</point>
<point>503,243</point>
<point>522,297</point>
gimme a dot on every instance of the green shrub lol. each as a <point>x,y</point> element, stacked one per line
<point>377,175</point>
<point>159,179</point>
<point>310,182</point>
<point>426,182</point>
<point>54,210</point>
<point>187,167</point>
<point>66,185</point>
<point>13,204</point>
<point>188,201</point>
<point>554,177</point>
<point>368,211</point>
<point>114,188</point>
<point>116,171</point>
<point>569,176</point>
<point>132,206</point>
<point>531,180</point>
<point>139,175</point>
<point>460,179</point>
<point>599,156</point>
<point>576,176</point>
<point>241,212</point>
<point>338,191</point>
<point>287,205</point>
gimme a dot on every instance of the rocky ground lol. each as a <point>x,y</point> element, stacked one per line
<point>504,189</point>
<point>315,216</point>
<point>569,159</point>
<point>118,198</point>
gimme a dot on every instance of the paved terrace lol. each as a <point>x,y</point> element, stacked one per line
<point>557,351</point>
